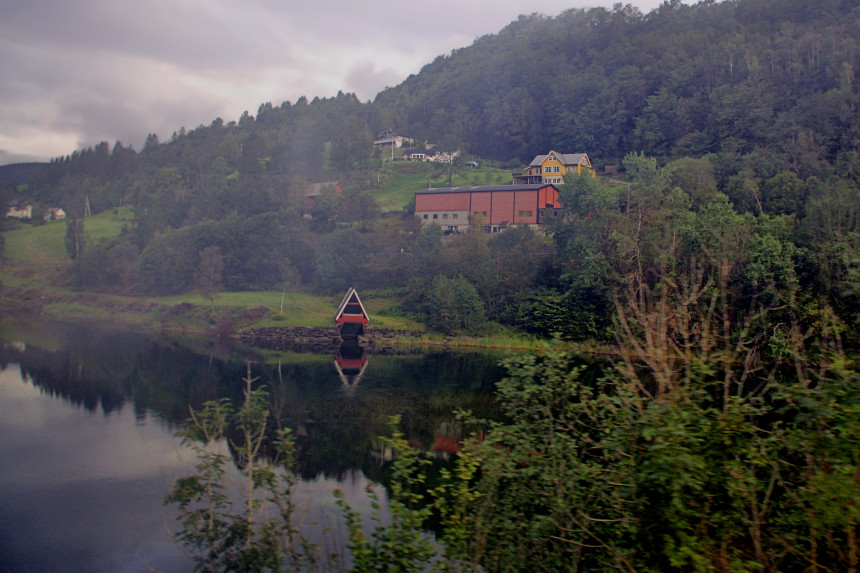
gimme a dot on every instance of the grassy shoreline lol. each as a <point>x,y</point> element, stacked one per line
<point>191,315</point>
<point>35,269</point>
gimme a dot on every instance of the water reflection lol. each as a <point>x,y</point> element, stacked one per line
<point>79,492</point>
<point>87,423</point>
<point>337,407</point>
<point>350,363</point>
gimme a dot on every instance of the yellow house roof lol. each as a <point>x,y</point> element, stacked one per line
<point>566,159</point>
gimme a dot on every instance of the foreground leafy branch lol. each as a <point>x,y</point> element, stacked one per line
<point>722,462</point>
<point>239,519</point>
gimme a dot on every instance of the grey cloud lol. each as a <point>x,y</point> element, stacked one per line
<point>7,157</point>
<point>177,32</point>
<point>366,81</point>
<point>93,70</point>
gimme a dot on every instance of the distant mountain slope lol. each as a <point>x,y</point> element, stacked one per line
<point>681,80</point>
<point>759,85</point>
<point>19,173</point>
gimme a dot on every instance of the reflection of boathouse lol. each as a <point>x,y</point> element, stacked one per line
<point>351,318</point>
<point>350,363</point>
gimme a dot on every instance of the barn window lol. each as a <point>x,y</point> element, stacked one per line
<point>425,215</point>
<point>525,213</point>
<point>435,216</point>
<point>455,216</point>
<point>445,215</point>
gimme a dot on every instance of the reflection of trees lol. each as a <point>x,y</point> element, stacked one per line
<point>335,431</point>
<point>106,369</point>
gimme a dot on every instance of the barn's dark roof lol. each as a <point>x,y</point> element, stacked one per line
<point>485,188</point>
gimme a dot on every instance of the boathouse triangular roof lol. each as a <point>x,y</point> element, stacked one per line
<point>350,299</point>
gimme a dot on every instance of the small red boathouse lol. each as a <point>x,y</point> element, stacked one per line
<point>351,318</point>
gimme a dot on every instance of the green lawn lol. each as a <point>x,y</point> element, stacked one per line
<point>36,244</point>
<point>400,181</point>
<point>300,309</point>
<point>107,225</point>
<point>40,243</point>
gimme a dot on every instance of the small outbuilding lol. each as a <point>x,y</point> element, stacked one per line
<point>351,318</point>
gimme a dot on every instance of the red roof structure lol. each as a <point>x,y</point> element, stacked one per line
<point>496,206</point>
<point>351,318</point>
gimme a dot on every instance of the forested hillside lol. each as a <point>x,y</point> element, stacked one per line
<point>18,173</point>
<point>746,111</point>
<point>731,77</point>
<point>720,268</point>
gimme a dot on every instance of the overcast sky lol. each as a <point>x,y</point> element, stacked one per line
<point>77,72</point>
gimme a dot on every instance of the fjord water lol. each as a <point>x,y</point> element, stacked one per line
<point>88,419</point>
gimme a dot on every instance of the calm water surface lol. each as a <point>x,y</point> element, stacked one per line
<point>87,435</point>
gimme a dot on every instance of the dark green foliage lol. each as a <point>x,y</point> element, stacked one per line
<point>75,240</point>
<point>252,250</point>
<point>339,259</point>
<point>685,458</point>
<point>453,305</point>
<point>248,527</point>
<point>426,254</point>
<point>681,80</point>
<point>358,206</point>
<point>782,194</point>
<point>401,544</point>
<point>354,256</point>
<point>108,266</point>
<point>584,242</point>
<point>210,272</point>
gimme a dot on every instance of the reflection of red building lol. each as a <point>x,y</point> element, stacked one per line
<point>494,207</point>
<point>445,444</point>
<point>350,363</point>
<point>447,439</point>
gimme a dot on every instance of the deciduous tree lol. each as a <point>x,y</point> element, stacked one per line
<point>210,273</point>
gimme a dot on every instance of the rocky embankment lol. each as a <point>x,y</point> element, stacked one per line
<point>320,338</point>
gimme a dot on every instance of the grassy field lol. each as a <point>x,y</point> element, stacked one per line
<point>299,309</point>
<point>37,260</point>
<point>38,253</point>
<point>400,180</point>
<point>107,225</point>
<point>41,243</point>
<point>36,244</point>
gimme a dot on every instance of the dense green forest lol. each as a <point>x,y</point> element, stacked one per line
<point>748,106</point>
<point>725,271</point>
<point>730,78</point>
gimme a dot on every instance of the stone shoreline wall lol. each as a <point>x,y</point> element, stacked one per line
<point>278,338</point>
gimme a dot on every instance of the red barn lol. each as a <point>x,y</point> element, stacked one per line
<point>494,207</point>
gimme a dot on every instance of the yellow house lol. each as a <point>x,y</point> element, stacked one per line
<point>552,167</point>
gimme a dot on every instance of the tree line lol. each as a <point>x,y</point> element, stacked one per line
<point>733,77</point>
<point>734,111</point>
